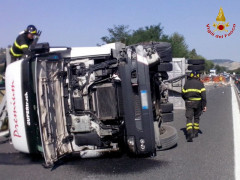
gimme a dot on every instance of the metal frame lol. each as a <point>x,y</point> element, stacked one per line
<point>3,105</point>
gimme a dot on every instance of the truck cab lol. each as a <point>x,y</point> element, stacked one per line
<point>87,100</point>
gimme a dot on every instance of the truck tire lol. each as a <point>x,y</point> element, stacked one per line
<point>168,138</point>
<point>196,67</point>
<point>164,50</point>
<point>196,61</point>
<point>166,107</point>
<point>167,117</point>
<point>165,67</point>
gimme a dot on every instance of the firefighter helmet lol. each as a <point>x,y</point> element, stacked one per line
<point>194,74</point>
<point>31,29</point>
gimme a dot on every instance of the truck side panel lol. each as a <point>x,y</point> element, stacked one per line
<point>15,106</point>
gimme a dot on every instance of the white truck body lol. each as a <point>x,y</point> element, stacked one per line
<point>15,106</point>
<point>88,100</point>
<point>15,96</point>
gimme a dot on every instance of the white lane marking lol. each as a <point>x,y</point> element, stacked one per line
<point>236,130</point>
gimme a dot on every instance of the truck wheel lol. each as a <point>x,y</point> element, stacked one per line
<point>165,67</point>
<point>167,117</point>
<point>196,67</point>
<point>196,61</point>
<point>166,107</point>
<point>164,50</point>
<point>168,137</point>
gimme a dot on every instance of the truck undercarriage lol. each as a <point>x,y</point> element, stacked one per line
<point>107,100</point>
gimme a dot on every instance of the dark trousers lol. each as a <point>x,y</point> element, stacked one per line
<point>13,58</point>
<point>193,111</point>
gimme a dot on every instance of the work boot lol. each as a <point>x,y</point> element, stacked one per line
<point>195,133</point>
<point>189,135</point>
<point>195,129</point>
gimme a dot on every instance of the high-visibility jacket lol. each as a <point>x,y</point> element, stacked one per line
<point>21,45</point>
<point>194,90</point>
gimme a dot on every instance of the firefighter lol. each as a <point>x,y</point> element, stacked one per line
<point>21,46</point>
<point>194,95</point>
<point>23,42</point>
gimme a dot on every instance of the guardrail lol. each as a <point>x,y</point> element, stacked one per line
<point>236,81</point>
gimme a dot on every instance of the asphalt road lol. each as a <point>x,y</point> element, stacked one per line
<point>210,156</point>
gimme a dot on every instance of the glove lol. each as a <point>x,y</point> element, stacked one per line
<point>205,109</point>
<point>38,33</point>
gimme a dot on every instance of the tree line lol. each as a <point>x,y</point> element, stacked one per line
<point>122,33</point>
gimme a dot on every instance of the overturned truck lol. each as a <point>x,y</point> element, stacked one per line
<point>91,100</point>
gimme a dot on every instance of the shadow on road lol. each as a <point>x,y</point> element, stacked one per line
<point>111,164</point>
<point>108,165</point>
<point>18,158</point>
<point>123,165</point>
<point>9,156</point>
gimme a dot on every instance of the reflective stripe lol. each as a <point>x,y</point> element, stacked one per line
<point>193,90</point>
<point>189,124</point>
<point>20,47</point>
<point>34,32</point>
<point>190,127</point>
<point>14,54</point>
<point>196,124</point>
<point>195,99</point>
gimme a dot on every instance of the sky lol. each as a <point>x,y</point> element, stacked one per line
<point>83,22</point>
